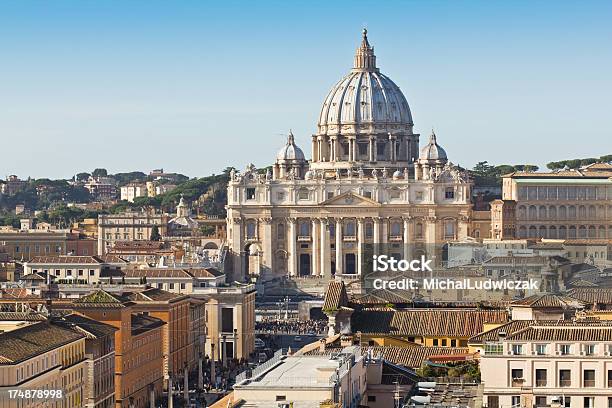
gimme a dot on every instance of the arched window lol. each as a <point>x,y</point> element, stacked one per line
<point>562,213</point>
<point>522,232</point>
<point>582,232</point>
<point>522,212</point>
<point>250,229</point>
<point>571,212</point>
<point>602,231</point>
<point>571,232</point>
<point>449,229</point>
<point>552,212</point>
<point>533,214</point>
<point>592,212</point>
<point>542,213</point>
<point>592,232</point>
<point>533,232</point>
<point>542,232</point>
<point>552,232</point>
<point>562,232</point>
<point>582,212</point>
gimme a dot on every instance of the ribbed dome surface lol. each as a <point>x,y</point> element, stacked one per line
<point>433,151</point>
<point>364,96</point>
<point>290,151</point>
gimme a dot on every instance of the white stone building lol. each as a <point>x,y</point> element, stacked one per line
<point>367,182</point>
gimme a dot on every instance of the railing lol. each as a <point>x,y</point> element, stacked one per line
<point>517,382</point>
<point>540,383</point>
<point>565,383</point>
<point>589,383</point>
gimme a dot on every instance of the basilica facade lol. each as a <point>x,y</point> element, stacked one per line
<point>367,182</point>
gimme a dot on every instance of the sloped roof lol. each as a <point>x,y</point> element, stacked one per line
<point>428,322</point>
<point>154,295</point>
<point>549,300</point>
<point>592,295</point>
<point>102,299</point>
<point>576,332</point>
<point>32,340</point>
<point>335,296</point>
<point>88,327</point>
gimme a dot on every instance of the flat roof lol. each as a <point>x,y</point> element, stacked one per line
<point>298,371</point>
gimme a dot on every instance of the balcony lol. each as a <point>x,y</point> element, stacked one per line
<point>395,238</point>
<point>565,383</point>
<point>304,238</point>
<point>350,238</point>
<point>588,383</point>
<point>518,382</point>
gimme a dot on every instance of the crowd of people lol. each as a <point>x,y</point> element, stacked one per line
<point>292,326</point>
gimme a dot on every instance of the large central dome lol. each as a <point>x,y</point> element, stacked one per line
<point>365,100</point>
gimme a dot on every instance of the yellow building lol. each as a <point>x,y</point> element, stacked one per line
<point>43,356</point>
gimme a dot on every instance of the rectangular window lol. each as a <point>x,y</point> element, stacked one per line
<point>588,378</point>
<point>517,377</point>
<point>540,401</point>
<point>227,319</point>
<point>565,378</point>
<point>567,402</point>
<point>303,194</point>
<point>565,349</point>
<point>371,398</point>
<point>541,349</point>
<point>280,196</point>
<point>449,193</point>
<point>589,402</point>
<point>516,400</point>
<point>250,193</point>
<point>589,349</point>
<point>517,349</point>
<point>541,375</point>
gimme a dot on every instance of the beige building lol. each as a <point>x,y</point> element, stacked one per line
<point>128,226</point>
<point>133,190</point>
<point>77,269</point>
<point>367,182</point>
<point>43,356</point>
<point>305,381</point>
<point>566,204</point>
<point>548,362</point>
<point>230,321</point>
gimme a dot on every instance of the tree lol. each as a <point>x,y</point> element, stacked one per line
<point>155,236</point>
<point>606,159</point>
<point>99,173</point>
<point>82,176</point>
<point>531,168</point>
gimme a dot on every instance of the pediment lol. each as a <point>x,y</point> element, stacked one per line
<point>350,199</point>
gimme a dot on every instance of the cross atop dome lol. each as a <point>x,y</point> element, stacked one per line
<point>365,60</point>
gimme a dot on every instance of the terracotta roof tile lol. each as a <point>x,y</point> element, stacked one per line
<point>335,296</point>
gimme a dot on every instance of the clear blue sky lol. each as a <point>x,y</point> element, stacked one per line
<point>196,86</point>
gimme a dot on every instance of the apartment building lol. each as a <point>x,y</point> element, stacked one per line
<point>138,347</point>
<point>26,244</point>
<point>565,204</point>
<point>77,269</point>
<point>128,226</point>
<point>43,356</point>
<point>133,190</point>
<point>549,362</point>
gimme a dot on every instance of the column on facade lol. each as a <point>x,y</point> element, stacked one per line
<point>354,148</point>
<point>360,242</point>
<point>266,264</point>
<point>331,149</point>
<point>291,247</point>
<point>324,269</point>
<point>238,246</point>
<point>376,231</point>
<point>385,230</point>
<point>336,147</point>
<point>314,149</point>
<point>372,148</point>
<point>407,243</point>
<point>315,262</point>
<point>339,255</point>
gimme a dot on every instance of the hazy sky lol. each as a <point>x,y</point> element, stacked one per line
<point>195,86</point>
